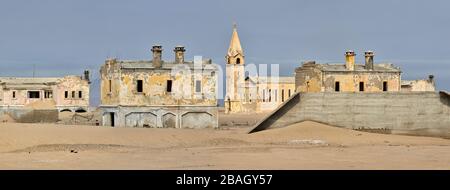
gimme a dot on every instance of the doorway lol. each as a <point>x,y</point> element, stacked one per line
<point>111,115</point>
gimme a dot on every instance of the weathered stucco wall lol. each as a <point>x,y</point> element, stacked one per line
<point>421,113</point>
<point>418,85</point>
<point>52,93</point>
<point>119,86</point>
<point>235,87</point>
<point>309,78</point>
<point>349,82</point>
<point>71,84</point>
<point>191,102</point>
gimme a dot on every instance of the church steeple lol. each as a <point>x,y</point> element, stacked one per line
<point>235,53</point>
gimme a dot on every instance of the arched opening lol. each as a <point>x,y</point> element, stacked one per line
<point>238,61</point>
<point>80,111</point>
<point>66,110</point>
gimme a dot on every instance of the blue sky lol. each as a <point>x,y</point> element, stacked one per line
<point>63,37</point>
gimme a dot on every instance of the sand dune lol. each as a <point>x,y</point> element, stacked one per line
<point>306,145</point>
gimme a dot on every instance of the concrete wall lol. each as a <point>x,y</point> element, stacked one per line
<point>419,113</point>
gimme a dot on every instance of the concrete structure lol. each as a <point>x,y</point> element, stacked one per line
<point>416,113</point>
<point>157,93</point>
<point>245,94</point>
<point>69,93</point>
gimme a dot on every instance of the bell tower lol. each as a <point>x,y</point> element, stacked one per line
<point>235,75</point>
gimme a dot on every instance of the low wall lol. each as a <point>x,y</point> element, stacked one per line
<point>416,113</point>
<point>23,115</point>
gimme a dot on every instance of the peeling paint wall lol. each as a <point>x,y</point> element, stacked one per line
<point>72,84</point>
<point>418,85</point>
<point>310,78</point>
<point>123,87</point>
<point>349,82</point>
<point>14,93</point>
<point>186,105</point>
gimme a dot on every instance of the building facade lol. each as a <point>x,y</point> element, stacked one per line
<point>352,77</point>
<point>263,94</point>
<point>159,94</point>
<point>69,93</point>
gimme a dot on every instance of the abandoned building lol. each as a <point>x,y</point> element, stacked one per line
<point>352,77</point>
<point>249,94</point>
<point>69,93</point>
<point>33,100</point>
<point>369,97</point>
<point>158,93</point>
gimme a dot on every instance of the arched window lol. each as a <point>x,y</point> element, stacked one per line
<point>238,61</point>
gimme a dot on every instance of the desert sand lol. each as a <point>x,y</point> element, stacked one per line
<point>306,145</point>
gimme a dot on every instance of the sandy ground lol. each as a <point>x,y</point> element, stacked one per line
<point>306,145</point>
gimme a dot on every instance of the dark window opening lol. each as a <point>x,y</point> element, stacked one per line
<point>80,94</point>
<point>33,94</point>
<point>385,86</point>
<point>337,87</point>
<point>198,86</point>
<point>111,115</point>
<point>169,86</point>
<point>66,94</point>
<point>270,95</point>
<point>14,94</point>
<point>282,95</point>
<point>139,86</point>
<point>289,92</point>
<point>110,86</point>
<point>48,94</point>
<point>80,111</point>
<point>361,86</point>
<point>73,94</point>
<point>238,61</point>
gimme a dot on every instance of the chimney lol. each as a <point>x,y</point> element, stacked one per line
<point>350,60</point>
<point>179,54</point>
<point>86,76</point>
<point>369,59</point>
<point>431,78</point>
<point>157,56</point>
